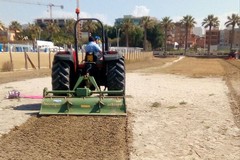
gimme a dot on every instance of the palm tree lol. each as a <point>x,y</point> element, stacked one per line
<point>146,23</point>
<point>70,26</point>
<point>167,24</point>
<point>233,21</point>
<point>210,21</point>
<point>52,28</point>
<point>126,26</point>
<point>69,32</point>
<point>3,39</point>
<point>188,22</point>
<point>2,27</point>
<point>90,27</point>
<point>16,27</point>
<point>35,31</point>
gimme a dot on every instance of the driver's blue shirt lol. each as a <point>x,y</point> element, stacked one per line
<point>93,47</point>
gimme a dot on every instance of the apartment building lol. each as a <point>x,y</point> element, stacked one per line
<point>7,36</point>
<point>215,36</point>
<point>135,20</point>
<point>224,39</point>
<point>200,41</point>
<point>179,35</point>
<point>42,22</point>
<point>236,39</point>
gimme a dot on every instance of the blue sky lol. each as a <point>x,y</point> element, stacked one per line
<point>109,10</point>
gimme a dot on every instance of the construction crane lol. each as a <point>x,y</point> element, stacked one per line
<point>50,5</point>
<point>53,5</point>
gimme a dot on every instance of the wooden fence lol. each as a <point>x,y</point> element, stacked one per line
<point>39,60</point>
<point>26,60</point>
<point>191,54</point>
<point>132,53</point>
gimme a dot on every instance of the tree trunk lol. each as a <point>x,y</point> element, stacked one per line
<point>145,39</point>
<point>232,37</point>
<point>186,39</point>
<point>11,59</point>
<point>33,44</point>
<point>209,39</point>
<point>126,38</point>
<point>165,44</point>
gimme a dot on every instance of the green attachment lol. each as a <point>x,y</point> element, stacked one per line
<point>83,92</point>
<point>82,101</point>
<point>83,106</point>
<point>89,81</point>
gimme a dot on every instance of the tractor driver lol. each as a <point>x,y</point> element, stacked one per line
<point>92,46</point>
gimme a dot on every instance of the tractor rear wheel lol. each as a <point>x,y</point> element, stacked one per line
<point>116,76</point>
<point>61,75</point>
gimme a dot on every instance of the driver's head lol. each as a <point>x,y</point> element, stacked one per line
<point>91,39</point>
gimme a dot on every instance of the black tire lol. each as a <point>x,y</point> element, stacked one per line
<point>61,75</point>
<point>116,76</point>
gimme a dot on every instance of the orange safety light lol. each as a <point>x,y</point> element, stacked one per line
<point>77,11</point>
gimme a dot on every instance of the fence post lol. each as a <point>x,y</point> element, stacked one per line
<point>38,58</point>
<point>49,59</point>
<point>130,55</point>
<point>135,55</point>
<point>125,52</point>
<point>139,53</point>
<point>28,58</point>
<point>25,59</point>
<point>11,60</point>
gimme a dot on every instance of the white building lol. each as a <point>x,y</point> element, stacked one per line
<point>45,46</point>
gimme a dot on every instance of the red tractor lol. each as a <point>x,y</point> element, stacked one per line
<point>79,82</point>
